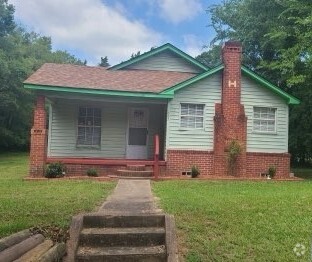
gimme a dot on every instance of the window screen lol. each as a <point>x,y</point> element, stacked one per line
<point>89,126</point>
<point>192,116</point>
<point>264,119</point>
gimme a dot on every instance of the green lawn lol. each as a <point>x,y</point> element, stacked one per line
<point>239,220</point>
<point>216,220</point>
<point>24,204</point>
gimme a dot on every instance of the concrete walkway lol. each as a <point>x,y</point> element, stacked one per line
<point>131,196</point>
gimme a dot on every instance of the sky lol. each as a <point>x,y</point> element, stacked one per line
<point>91,29</point>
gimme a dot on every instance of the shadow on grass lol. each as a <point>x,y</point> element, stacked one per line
<point>305,173</point>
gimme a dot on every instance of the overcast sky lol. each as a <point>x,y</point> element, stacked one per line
<point>90,29</point>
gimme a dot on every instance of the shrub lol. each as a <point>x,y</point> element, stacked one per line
<point>92,172</point>
<point>272,171</point>
<point>195,171</point>
<point>233,151</point>
<point>54,170</point>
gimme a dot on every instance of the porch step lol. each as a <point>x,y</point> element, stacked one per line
<point>133,236</point>
<point>130,177</point>
<point>119,221</point>
<point>128,238</point>
<point>136,167</point>
<point>126,254</point>
<point>135,173</point>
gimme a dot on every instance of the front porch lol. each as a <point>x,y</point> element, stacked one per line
<point>102,133</point>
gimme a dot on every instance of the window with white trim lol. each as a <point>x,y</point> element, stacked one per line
<point>89,126</point>
<point>192,116</point>
<point>264,119</point>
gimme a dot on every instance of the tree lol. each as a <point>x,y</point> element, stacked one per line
<point>7,23</point>
<point>104,62</point>
<point>21,53</point>
<point>277,37</point>
<point>210,58</point>
<point>133,55</point>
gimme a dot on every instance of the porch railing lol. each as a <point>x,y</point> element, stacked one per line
<point>156,156</point>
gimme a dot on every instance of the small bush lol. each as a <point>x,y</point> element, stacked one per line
<point>272,171</point>
<point>92,172</point>
<point>233,151</point>
<point>195,171</point>
<point>54,170</point>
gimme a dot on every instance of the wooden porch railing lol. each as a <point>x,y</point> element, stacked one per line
<point>156,156</point>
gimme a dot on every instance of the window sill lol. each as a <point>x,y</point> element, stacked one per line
<point>264,133</point>
<point>88,147</point>
<point>192,130</point>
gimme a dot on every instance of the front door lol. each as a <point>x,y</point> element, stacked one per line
<point>137,135</point>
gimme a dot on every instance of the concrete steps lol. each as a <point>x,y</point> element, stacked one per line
<point>127,254</point>
<point>123,238</point>
<point>135,171</point>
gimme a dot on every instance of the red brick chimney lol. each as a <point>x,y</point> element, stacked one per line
<point>230,119</point>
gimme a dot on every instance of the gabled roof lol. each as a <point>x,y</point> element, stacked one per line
<point>289,98</point>
<point>66,77</point>
<point>196,78</point>
<point>128,83</point>
<point>165,47</point>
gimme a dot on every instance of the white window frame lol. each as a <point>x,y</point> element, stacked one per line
<point>194,116</point>
<point>86,125</point>
<point>264,120</point>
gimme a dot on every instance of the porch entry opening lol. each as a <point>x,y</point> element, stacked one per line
<point>137,135</point>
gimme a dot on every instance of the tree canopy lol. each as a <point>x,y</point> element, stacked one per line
<point>21,53</point>
<point>104,62</point>
<point>276,37</point>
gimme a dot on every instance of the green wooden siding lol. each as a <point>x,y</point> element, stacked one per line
<point>207,92</point>
<point>63,128</point>
<point>165,61</point>
<point>255,95</point>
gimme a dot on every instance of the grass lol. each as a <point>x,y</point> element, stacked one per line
<point>239,220</point>
<point>25,204</point>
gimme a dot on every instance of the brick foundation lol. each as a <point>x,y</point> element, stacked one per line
<point>104,167</point>
<point>179,161</point>
<point>260,162</point>
<point>81,169</point>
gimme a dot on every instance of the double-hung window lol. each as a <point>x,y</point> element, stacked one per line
<point>89,127</point>
<point>264,119</point>
<point>192,116</point>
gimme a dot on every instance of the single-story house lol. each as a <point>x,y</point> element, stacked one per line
<point>163,110</point>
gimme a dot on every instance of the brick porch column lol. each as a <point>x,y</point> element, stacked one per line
<point>230,120</point>
<point>38,141</point>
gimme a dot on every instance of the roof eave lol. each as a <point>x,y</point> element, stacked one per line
<point>291,100</point>
<point>192,80</point>
<point>89,91</point>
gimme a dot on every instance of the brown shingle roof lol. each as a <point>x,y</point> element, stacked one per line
<point>66,75</point>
